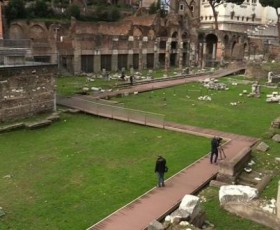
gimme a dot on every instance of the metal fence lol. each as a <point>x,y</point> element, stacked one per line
<point>15,43</point>
<point>114,112</point>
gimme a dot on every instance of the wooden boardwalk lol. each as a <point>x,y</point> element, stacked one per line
<point>158,202</point>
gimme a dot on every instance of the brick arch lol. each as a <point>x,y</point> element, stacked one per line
<point>174,34</point>
<point>37,32</point>
<point>137,32</point>
<point>16,31</point>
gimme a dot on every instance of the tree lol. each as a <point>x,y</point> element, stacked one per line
<point>215,3</point>
<point>41,9</point>
<point>15,9</point>
<point>274,4</point>
<point>74,11</point>
<point>153,8</point>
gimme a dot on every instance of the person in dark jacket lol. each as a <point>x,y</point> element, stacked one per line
<point>214,150</point>
<point>160,170</point>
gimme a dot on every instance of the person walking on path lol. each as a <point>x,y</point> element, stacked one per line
<point>131,77</point>
<point>214,150</point>
<point>160,169</point>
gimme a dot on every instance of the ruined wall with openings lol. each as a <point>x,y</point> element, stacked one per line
<point>26,91</point>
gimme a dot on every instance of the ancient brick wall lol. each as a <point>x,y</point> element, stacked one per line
<point>26,91</point>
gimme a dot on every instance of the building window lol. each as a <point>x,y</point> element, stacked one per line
<point>192,8</point>
<point>242,18</point>
<point>181,7</point>
<point>231,15</point>
<point>253,17</point>
<point>237,18</point>
<point>254,1</point>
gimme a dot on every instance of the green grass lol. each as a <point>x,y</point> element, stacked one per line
<point>79,170</point>
<point>69,85</point>
<point>252,116</point>
<point>82,168</point>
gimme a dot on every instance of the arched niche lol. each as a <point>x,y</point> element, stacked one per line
<point>16,32</point>
<point>211,47</point>
<point>137,32</point>
<point>174,35</point>
<point>37,32</point>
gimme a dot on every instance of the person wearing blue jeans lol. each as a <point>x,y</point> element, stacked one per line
<point>160,170</point>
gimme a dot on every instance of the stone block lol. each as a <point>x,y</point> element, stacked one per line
<point>53,117</point>
<point>36,125</point>
<point>234,166</point>
<point>276,138</point>
<point>276,123</point>
<point>237,193</point>
<point>250,211</point>
<point>12,127</point>
<point>190,205</point>
<point>155,225</point>
<point>217,184</point>
<point>263,147</point>
<point>199,219</point>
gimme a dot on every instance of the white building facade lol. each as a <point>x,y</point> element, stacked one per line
<point>249,17</point>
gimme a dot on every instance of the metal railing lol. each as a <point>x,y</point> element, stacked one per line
<point>15,43</point>
<point>114,112</point>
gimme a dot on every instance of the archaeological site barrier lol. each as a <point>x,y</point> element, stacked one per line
<point>112,111</point>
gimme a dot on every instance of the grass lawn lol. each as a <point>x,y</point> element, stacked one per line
<point>251,116</point>
<point>70,85</point>
<point>80,169</point>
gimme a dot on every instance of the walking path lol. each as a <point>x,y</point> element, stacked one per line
<point>158,202</point>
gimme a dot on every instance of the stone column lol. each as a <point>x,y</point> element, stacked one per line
<point>145,52</point>
<point>180,55</point>
<point>129,59</point>
<point>204,55</point>
<point>97,62</point>
<point>220,51</point>
<point>278,201</point>
<point>140,55</point>
<point>130,52</point>
<point>167,54</point>
<point>214,51</point>
<point>115,60</point>
<point>144,58</point>
<point>190,54</point>
<point>77,59</point>
<point>156,55</point>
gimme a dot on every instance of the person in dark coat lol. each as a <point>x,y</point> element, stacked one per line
<point>160,170</point>
<point>214,150</point>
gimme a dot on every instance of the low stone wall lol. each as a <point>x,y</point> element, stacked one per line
<point>254,213</point>
<point>26,91</point>
<point>230,169</point>
<point>255,70</point>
